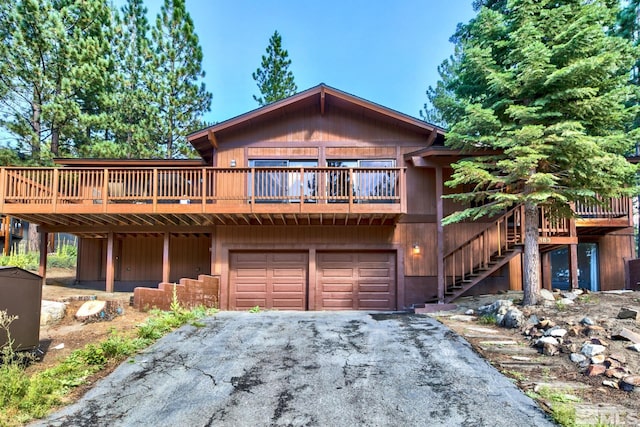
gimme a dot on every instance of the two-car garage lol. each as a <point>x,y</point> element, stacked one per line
<point>340,280</point>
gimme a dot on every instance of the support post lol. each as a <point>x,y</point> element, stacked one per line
<point>545,262</point>
<point>573,257</point>
<point>44,238</point>
<point>6,231</point>
<point>110,279</point>
<point>573,266</point>
<point>440,234</point>
<point>166,270</point>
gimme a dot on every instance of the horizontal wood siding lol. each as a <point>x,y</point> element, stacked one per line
<point>189,257</point>
<point>282,152</point>
<point>360,152</point>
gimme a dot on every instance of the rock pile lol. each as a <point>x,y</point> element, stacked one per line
<point>505,313</point>
<point>587,347</point>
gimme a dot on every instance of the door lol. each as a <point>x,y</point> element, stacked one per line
<point>270,280</point>
<point>356,281</point>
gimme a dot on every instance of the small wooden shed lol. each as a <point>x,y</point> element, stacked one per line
<point>21,295</point>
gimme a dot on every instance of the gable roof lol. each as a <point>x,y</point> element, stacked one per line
<point>205,140</point>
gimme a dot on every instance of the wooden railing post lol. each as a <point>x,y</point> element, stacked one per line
<point>56,183</point>
<point>402,191</point>
<point>302,187</point>
<point>105,189</point>
<point>154,190</point>
<point>203,188</point>
<point>350,188</point>
<point>3,187</point>
<point>252,184</point>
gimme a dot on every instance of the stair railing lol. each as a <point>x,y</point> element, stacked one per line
<point>502,235</point>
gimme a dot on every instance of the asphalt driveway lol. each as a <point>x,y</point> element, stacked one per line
<point>306,369</point>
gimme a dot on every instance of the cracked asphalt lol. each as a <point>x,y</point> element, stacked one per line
<point>305,369</point>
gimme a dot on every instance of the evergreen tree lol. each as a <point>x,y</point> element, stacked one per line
<point>544,84</point>
<point>179,98</point>
<point>54,68</point>
<point>274,79</point>
<point>132,118</point>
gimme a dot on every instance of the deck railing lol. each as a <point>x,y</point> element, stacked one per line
<point>201,185</point>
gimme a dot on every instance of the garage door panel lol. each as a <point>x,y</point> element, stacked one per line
<point>271,280</point>
<point>245,287</point>
<point>295,288</point>
<point>289,272</point>
<point>374,272</point>
<point>356,280</point>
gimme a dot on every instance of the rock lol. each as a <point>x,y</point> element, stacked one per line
<point>565,301</point>
<point>513,318</point>
<point>618,357</point>
<point>556,331</point>
<point>599,341</point>
<point>634,347</point>
<point>500,306</point>
<point>546,340</point>
<point>51,312</point>
<point>595,370</point>
<point>533,320</point>
<point>469,312</point>
<point>593,330</point>
<point>618,373</point>
<point>569,295</point>
<point>550,349</point>
<point>591,350</point>
<point>572,348</point>
<point>547,295</point>
<point>630,382</point>
<point>597,359</point>
<point>546,324</point>
<point>574,331</point>
<point>626,334</point>
<point>587,321</point>
<point>609,383</point>
<point>577,357</point>
<point>628,313</point>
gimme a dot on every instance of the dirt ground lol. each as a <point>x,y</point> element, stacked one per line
<point>602,308</point>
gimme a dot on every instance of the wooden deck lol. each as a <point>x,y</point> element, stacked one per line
<point>59,198</point>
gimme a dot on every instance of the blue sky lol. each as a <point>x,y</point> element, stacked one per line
<point>382,50</point>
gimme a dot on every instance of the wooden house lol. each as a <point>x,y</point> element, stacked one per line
<point>320,201</point>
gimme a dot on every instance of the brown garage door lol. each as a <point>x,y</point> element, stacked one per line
<point>356,281</point>
<point>272,280</point>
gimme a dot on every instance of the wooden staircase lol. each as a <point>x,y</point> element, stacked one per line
<point>483,254</point>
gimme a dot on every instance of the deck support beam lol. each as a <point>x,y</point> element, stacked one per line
<point>440,234</point>
<point>110,276</point>
<point>166,268</point>
<point>573,257</point>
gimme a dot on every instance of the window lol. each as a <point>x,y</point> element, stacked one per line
<point>370,185</point>
<point>280,181</point>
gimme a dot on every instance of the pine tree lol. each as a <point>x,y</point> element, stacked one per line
<point>54,68</point>
<point>179,98</point>
<point>544,84</point>
<point>274,79</point>
<point>132,118</point>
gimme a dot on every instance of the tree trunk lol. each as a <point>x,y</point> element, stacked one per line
<point>531,255</point>
<point>36,126</point>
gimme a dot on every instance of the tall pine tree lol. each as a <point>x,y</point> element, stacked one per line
<point>544,84</point>
<point>54,69</point>
<point>180,97</point>
<point>274,79</point>
<point>133,119</point>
